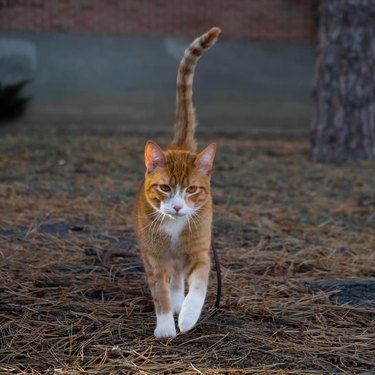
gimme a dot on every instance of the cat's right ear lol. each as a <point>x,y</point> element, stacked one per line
<point>154,156</point>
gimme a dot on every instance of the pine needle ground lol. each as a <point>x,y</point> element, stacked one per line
<point>73,297</point>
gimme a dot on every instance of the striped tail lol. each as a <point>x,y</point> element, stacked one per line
<point>185,112</point>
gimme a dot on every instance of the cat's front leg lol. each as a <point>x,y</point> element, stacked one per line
<point>197,275</point>
<point>165,326</point>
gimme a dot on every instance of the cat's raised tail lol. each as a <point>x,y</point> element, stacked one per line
<point>185,112</point>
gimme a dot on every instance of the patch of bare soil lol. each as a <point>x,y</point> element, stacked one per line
<point>73,297</point>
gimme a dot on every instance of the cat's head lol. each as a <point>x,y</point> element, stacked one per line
<point>177,182</point>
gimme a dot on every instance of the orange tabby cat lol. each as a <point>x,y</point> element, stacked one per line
<point>173,212</point>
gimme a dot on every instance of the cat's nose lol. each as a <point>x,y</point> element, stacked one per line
<point>177,207</point>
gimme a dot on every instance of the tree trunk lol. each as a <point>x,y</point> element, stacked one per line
<point>344,121</point>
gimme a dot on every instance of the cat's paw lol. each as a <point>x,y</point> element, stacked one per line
<point>190,311</point>
<point>187,322</point>
<point>165,326</point>
<point>165,332</point>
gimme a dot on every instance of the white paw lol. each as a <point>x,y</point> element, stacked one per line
<point>190,311</point>
<point>177,297</point>
<point>165,326</point>
<point>164,332</point>
<point>187,322</point>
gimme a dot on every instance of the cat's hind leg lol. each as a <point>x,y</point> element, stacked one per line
<point>197,275</point>
<point>177,286</point>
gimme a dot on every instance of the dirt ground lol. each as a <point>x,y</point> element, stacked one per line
<point>73,297</point>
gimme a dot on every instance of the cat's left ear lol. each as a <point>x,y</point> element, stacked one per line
<point>205,159</point>
<point>154,156</point>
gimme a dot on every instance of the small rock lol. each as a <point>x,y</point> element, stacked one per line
<point>359,292</point>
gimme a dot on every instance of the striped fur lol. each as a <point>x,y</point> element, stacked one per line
<point>173,211</point>
<point>185,112</point>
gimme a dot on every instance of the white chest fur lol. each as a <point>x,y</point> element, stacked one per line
<point>174,227</point>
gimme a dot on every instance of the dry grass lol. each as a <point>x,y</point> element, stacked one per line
<point>73,297</point>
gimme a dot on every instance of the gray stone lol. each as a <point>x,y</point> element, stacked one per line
<point>360,292</point>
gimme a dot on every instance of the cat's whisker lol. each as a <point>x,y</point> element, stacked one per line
<point>161,223</point>
<point>163,213</point>
<point>194,222</point>
<point>160,215</point>
<point>196,219</point>
<point>188,221</point>
<point>150,224</point>
<point>150,215</point>
<point>163,216</point>
<point>170,216</point>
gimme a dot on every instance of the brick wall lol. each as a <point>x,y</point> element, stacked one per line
<point>291,20</point>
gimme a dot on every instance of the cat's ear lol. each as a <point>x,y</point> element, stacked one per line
<point>154,156</point>
<point>205,159</point>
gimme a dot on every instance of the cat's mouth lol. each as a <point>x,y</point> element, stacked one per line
<point>175,215</point>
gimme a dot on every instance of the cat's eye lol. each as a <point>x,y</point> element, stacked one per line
<point>192,189</point>
<point>165,188</point>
